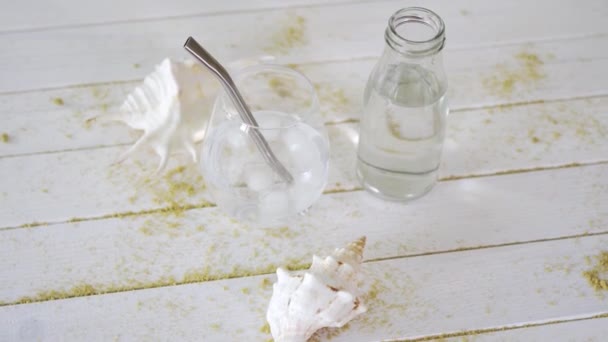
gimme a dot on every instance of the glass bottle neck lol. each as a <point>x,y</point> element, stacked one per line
<point>415,32</point>
<point>431,60</point>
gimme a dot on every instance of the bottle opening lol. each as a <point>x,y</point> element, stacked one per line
<point>415,31</point>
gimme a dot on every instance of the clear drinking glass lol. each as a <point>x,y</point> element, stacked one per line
<point>286,108</point>
<point>402,128</point>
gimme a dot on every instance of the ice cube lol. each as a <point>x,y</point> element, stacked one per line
<point>259,177</point>
<point>233,168</point>
<point>274,204</point>
<point>237,139</point>
<point>294,138</point>
<point>302,151</point>
<point>305,157</point>
<point>315,175</point>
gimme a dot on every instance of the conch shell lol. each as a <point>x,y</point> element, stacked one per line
<point>171,107</point>
<point>326,295</point>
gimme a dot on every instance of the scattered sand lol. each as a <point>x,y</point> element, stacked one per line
<point>506,78</point>
<point>597,276</point>
<point>58,101</point>
<point>291,35</point>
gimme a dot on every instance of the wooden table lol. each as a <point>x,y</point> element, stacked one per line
<point>91,251</point>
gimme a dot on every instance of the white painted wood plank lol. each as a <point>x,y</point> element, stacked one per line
<point>414,297</point>
<point>108,53</point>
<point>132,252</point>
<point>64,185</point>
<point>539,135</point>
<point>85,184</point>
<point>578,68</point>
<point>35,15</point>
<point>35,123</point>
<point>592,330</point>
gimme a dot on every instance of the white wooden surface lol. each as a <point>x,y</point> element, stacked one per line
<point>494,253</point>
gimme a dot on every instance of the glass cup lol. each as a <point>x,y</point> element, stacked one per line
<point>286,108</point>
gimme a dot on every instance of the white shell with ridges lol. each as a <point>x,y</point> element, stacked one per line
<point>171,107</point>
<point>326,295</point>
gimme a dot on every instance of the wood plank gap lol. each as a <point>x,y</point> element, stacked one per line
<point>498,245</point>
<point>533,41</point>
<point>476,332</point>
<point>525,170</point>
<point>499,106</point>
<point>71,86</point>
<point>64,150</point>
<point>509,105</point>
<point>79,291</point>
<point>170,210</point>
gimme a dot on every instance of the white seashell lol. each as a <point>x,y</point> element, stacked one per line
<point>326,295</point>
<point>173,105</point>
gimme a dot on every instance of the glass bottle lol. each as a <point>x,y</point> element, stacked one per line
<point>402,128</point>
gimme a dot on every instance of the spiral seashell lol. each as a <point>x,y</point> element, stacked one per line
<point>173,106</point>
<point>326,295</point>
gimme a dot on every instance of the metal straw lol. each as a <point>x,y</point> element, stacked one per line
<point>212,64</point>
